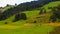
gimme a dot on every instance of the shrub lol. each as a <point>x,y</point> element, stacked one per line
<point>50,7</point>
<point>53,18</point>
<point>34,21</point>
<point>6,23</point>
<point>56,13</point>
<point>42,10</point>
<point>21,16</point>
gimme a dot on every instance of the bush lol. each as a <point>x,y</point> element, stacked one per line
<point>53,18</point>
<point>56,13</point>
<point>35,22</point>
<point>50,7</point>
<point>5,23</point>
<point>42,11</point>
<point>21,16</point>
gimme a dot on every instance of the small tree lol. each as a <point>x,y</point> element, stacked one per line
<point>56,13</point>
<point>41,11</point>
<point>35,22</point>
<point>44,11</point>
<point>21,16</point>
<point>49,7</point>
<point>7,5</point>
<point>15,4</point>
<point>5,23</point>
<point>53,18</point>
<point>17,17</point>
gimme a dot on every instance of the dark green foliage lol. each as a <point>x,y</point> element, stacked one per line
<point>6,14</point>
<point>53,18</point>
<point>42,11</point>
<point>6,23</point>
<point>49,7</point>
<point>21,16</point>
<point>17,17</point>
<point>56,13</point>
<point>15,4</point>
<point>34,21</point>
<point>33,4</point>
<point>56,30</point>
<point>7,5</point>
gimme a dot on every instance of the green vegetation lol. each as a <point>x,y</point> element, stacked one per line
<point>8,7</point>
<point>28,30</point>
<point>56,30</point>
<point>33,17</point>
<point>33,14</point>
<point>51,5</point>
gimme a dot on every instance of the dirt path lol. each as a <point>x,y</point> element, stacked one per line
<point>15,27</point>
<point>27,25</point>
<point>44,24</point>
<point>51,24</point>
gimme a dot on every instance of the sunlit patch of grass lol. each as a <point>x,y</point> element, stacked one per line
<point>32,15</point>
<point>51,4</point>
<point>28,30</point>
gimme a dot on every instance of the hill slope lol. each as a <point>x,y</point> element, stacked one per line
<point>33,14</point>
<point>24,7</point>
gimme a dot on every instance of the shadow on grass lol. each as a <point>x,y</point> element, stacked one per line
<point>56,30</point>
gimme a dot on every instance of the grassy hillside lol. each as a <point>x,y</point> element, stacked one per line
<point>33,14</point>
<point>51,4</point>
<point>23,27</point>
<point>27,30</point>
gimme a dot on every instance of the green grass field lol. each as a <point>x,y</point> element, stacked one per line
<point>51,4</point>
<point>31,15</point>
<point>14,27</point>
<point>27,30</point>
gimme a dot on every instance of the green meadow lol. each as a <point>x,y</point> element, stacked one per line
<point>19,28</point>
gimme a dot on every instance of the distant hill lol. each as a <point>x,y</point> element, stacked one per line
<point>23,7</point>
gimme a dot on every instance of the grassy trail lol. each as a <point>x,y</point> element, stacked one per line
<point>15,27</point>
<point>28,25</point>
<point>51,24</point>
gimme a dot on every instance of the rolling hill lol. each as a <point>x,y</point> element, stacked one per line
<point>10,11</point>
<point>34,14</point>
<point>35,23</point>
